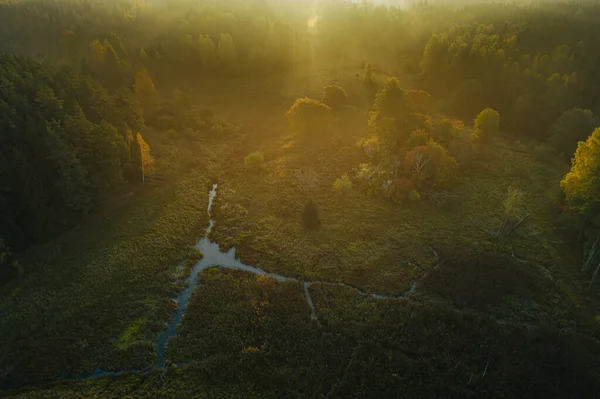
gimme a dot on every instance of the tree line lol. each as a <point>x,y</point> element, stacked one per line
<point>534,65</point>
<point>66,145</point>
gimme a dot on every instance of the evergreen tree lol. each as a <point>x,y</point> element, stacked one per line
<point>145,91</point>
<point>310,215</point>
<point>66,144</point>
<point>573,126</point>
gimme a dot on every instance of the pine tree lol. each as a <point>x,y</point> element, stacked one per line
<point>145,91</point>
<point>310,215</point>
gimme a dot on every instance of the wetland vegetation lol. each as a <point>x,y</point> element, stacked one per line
<point>323,199</point>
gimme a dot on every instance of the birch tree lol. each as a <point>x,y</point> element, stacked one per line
<point>148,168</point>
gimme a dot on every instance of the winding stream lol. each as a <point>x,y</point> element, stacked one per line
<point>213,256</point>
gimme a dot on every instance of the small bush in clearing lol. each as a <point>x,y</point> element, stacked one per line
<point>342,185</point>
<point>308,116</point>
<point>414,196</point>
<point>487,123</point>
<point>254,160</point>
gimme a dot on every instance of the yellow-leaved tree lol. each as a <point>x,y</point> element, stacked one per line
<point>148,168</point>
<point>582,191</point>
<point>581,185</point>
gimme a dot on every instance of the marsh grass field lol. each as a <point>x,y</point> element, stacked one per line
<point>98,296</point>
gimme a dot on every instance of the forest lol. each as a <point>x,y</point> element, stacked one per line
<point>312,199</point>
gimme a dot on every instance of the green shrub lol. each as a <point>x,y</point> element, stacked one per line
<point>195,254</point>
<point>414,196</point>
<point>487,123</point>
<point>310,215</point>
<point>308,116</point>
<point>342,185</point>
<point>254,160</point>
<point>335,97</point>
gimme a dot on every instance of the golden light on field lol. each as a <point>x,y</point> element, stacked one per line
<point>299,198</point>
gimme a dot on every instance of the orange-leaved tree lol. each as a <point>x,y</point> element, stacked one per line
<point>430,164</point>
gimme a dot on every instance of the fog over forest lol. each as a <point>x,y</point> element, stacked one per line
<point>307,199</point>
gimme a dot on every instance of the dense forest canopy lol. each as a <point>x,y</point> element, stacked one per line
<point>372,135</point>
<point>66,144</point>
<point>531,63</point>
<point>534,64</point>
